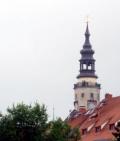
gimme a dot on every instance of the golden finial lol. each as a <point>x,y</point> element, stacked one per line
<point>87,19</point>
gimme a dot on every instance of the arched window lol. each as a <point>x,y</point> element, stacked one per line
<point>89,67</point>
<point>84,66</point>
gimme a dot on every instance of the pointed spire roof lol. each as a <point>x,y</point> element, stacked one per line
<point>87,61</point>
<point>87,33</point>
<point>87,47</point>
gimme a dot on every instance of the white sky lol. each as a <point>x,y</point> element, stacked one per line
<point>40,42</point>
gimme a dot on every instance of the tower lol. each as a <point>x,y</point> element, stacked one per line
<point>87,90</point>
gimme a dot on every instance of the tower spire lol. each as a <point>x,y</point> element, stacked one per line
<point>87,36</point>
<point>87,61</point>
<point>87,33</point>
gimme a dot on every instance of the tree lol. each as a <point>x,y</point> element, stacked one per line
<point>30,123</point>
<point>24,123</point>
<point>74,134</point>
<point>60,131</point>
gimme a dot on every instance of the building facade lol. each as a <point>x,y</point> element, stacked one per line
<point>99,123</point>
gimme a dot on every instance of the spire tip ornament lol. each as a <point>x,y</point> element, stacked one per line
<point>87,19</point>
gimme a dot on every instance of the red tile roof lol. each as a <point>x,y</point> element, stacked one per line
<point>105,113</point>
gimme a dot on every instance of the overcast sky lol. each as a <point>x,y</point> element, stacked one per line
<point>40,41</point>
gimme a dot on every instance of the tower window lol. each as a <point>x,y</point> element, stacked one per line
<point>82,95</point>
<point>98,97</point>
<point>75,96</point>
<point>92,96</point>
<point>84,67</point>
<point>89,67</point>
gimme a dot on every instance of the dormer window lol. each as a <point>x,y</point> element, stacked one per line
<point>104,124</point>
<point>84,131</point>
<point>112,126</point>
<point>97,129</point>
<point>90,127</point>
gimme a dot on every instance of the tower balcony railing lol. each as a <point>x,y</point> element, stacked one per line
<point>86,85</point>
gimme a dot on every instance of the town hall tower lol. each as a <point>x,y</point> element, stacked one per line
<point>87,90</point>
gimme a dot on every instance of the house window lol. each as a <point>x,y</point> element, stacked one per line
<point>112,126</point>
<point>97,129</point>
<point>82,95</point>
<point>84,131</point>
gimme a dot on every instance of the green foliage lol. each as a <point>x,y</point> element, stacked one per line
<point>74,134</point>
<point>61,131</point>
<point>23,123</point>
<point>30,123</point>
<point>58,130</point>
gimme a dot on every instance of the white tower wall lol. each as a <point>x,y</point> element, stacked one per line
<point>85,94</point>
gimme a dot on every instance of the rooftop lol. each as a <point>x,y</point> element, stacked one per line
<point>97,124</point>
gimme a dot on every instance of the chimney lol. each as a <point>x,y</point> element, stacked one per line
<point>108,96</point>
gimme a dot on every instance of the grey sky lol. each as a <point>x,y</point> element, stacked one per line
<point>40,42</point>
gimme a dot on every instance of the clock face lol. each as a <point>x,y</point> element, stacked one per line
<point>91,104</point>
